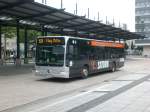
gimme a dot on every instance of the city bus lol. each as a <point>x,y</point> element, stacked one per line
<point>69,57</point>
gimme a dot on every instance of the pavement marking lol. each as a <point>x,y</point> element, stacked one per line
<point>111,86</point>
<point>54,106</point>
<point>104,98</point>
<point>116,86</point>
<point>41,102</point>
<point>136,98</point>
<point>123,80</point>
<point>90,99</point>
<point>133,77</point>
<point>67,105</point>
<point>78,102</point>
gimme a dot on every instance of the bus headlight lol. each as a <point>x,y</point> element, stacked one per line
<point>70,63</point>
<point>36,71</point>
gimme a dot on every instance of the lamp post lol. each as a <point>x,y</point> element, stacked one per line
<point>76,8</point>
<point>88,13</point>
<point>61,4</point>
<point>44,1</point>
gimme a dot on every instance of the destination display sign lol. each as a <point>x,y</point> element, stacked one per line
<point>107,44</point>
<point>50,41</point>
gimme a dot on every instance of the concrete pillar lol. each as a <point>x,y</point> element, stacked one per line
<point>18,60</point>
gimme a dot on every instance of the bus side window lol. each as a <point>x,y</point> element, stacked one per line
<point>83,49</point>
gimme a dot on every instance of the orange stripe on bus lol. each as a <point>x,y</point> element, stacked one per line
<point>107,44</point>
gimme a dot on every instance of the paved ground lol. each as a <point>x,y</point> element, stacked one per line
<point>123,91</point>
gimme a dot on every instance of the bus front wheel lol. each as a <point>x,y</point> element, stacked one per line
<point>113,69</point>
<point>85,72</point>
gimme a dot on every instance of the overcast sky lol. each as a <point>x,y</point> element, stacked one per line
<point>122,11</point>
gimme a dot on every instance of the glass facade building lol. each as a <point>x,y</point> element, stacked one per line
<point>142,24</point>
<point>142,17</point>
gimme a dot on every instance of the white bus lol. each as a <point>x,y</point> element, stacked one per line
<point>68,57</point>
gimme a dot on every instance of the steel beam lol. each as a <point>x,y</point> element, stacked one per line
<point>62,21</point>
<point>14,4</point>
<point>79,25</point>
<point>39,14</point>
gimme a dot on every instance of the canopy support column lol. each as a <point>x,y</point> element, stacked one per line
<point>18,61</point>
<point>45,32</point>
<point>42,30</point>
<point>1,60</point>
<point>25,45</point>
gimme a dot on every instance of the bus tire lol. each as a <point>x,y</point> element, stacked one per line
<point>85,72</point>
<point>113,69</point>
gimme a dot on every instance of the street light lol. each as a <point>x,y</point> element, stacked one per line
<point>61,4</point>
<point>76,8</point>
<point>44,1</point>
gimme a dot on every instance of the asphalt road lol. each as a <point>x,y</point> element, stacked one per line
<point>20,88</point>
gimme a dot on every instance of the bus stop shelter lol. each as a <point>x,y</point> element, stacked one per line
<point>27,14</point>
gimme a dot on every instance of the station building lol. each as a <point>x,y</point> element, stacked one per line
<point>29,15</point>
<point>142,24</point>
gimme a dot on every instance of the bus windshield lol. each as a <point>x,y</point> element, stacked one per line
<point>50,55</point>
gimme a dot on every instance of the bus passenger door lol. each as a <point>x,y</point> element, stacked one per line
<point>72,58</point>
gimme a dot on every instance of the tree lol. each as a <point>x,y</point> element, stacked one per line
<point>32,34</point>
<point>9,32</point>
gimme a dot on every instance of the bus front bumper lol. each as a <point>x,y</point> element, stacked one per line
<point>49,72</point>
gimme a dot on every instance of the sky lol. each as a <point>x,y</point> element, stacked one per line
<point>121,11</point>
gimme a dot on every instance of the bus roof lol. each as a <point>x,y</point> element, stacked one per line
<point>76,38</point>
<point>92,42</point>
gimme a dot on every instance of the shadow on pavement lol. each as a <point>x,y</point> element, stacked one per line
<point>63,80</point>
<point>60,80</point>
<point>9,70</point>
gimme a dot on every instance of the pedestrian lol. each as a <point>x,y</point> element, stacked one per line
<point>14,58</point>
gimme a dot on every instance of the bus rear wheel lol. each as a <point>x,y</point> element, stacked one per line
<point>85,72</point>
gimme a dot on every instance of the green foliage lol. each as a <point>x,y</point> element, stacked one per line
<point>32,35</point>
<point>10,32</point>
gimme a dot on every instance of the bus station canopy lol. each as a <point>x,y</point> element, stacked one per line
<point>39,16</point>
